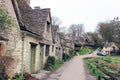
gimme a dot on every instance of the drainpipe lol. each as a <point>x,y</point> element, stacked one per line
<point>22,65</point>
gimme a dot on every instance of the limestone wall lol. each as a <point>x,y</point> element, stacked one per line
<point>27,53</point>
<point>14,43</point>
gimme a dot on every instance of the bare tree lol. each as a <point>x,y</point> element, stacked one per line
<point>80,29</point>
<point>63,29</point>
<point>76,29</point>
<point>56,21</point>
<point>72,29</point>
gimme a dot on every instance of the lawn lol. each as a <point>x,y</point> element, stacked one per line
<point>104,67</point>
<point>86,50</point>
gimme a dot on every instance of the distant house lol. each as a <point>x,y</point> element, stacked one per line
<point>79,42</point>
<point>109,47</point>
<point>67,43</point>
<point>56,48</point>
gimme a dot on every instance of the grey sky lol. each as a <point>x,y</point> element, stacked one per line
<point>88,12</point>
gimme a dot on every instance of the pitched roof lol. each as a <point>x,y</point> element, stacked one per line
<point>81,39</point>
<point>109,44</point>
<point>33,19</point>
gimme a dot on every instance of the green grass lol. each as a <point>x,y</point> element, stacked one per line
<point>86,50</point>
<point>93,68</point>
<point>103,62</point>
<point>58,63</point>
<point>113,59</point>
<point>109,69</point>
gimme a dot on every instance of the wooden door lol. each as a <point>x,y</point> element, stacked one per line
<point>40,57</point>
<point>32,58</point>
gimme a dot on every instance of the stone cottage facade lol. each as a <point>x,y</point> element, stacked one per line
<point>56,48</point>
<point>67,43</point>
<point>109,47</point>
<point>11,42</point>
<point>30,42</point>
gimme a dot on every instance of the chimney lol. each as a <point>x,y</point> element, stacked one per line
<point>37,7</point>
<point>28,2</point>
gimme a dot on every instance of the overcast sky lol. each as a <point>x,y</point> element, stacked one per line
<point>88,12</point>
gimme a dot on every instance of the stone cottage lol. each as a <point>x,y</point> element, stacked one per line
<point>30,39</point>
<point>67,43</point>
<point>57,49</point>
<point>109,47</point>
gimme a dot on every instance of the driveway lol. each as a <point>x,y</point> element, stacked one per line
<point>72,70</point>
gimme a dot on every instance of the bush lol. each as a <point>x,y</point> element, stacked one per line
<point>50,62</point>
<point>66,57</point>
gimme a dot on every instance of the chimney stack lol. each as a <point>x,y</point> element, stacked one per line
<point>37,7</point>
<point>28,2</point>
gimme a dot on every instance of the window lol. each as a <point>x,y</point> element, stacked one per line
<point>47,50</point>
<point>48,27</point>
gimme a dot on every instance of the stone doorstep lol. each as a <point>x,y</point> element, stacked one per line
<point>41,74</point>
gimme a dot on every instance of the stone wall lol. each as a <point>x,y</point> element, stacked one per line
<point>27,52</point>
<point>13,46</point>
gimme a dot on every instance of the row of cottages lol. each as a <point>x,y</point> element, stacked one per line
<point>80,41</point>
<point>57,48</point>
<point>30,40</point>
<point>67,43</point>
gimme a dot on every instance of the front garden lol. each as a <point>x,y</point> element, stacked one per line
<point>104,68</point>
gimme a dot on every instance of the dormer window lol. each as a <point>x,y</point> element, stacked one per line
<point>48,27</point>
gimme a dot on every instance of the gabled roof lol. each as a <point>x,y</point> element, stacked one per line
<point>109,44</point>
<point>81,39</point>
<point>40,18</point>
<point>32,20</point>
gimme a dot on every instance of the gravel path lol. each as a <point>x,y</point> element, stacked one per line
<point>73,70</point>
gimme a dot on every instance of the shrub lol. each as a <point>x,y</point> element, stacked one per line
<point>50,62</point>
<point>66,57</point>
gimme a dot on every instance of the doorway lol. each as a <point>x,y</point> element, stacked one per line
<point>32,58</point>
